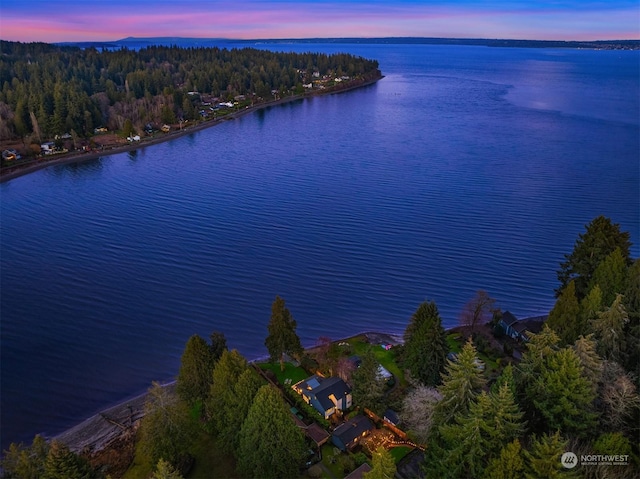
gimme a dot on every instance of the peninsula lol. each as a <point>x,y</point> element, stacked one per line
<point>69,104</point>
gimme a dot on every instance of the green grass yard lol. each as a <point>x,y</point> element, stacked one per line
<point>328,455</point>
<point>400,452</point>
<point>454,342</point>
<point>385,357</point>
<point>291,374</point>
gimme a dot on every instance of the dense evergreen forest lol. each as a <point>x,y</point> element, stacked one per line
<point>50,90</point>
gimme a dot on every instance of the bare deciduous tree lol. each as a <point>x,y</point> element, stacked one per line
<point>477,310</point>
<point>417,411</point>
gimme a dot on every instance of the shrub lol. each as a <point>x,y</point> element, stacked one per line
<point>315,471</point>
<point>360,458</point>
<point>347,463</point>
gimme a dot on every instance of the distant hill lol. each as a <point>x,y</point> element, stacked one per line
<point>138,42</point>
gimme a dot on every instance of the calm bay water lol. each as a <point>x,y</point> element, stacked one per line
<point>465,168</point>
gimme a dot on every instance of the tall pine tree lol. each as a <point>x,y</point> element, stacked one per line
<point>462,382</point>
<point>196,366</point>
<point>368,385</point>
<point>271,445</point>
<point>562,395</point>
<point>565,317</point>
<point>282,338</point>
<point>425,347</point>
<point>508,465</point>
<point>544,458</point>
<point>600,239</point>
<point>382,465</point>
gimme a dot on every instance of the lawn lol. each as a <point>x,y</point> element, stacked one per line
<point>385,357</point>
<point>399,452</point>
<point>329,453</point>
<point>453,342</point>
<point>291,374</point>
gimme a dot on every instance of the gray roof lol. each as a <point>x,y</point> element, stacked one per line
<point>353,428</point>
<point>321,388</point>
<point>329,386</point>
<point>508,318</point>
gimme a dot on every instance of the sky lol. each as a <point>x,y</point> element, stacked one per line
<point>110,20</point>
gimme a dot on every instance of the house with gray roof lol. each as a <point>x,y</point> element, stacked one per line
<point>347,435</point>
<point>520,330</point>
<point>326,395</point>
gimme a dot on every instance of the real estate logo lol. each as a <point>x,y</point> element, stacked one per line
<point>569,460</point>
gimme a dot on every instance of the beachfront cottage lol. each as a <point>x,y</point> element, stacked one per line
<point>327,395</point>
<point>47,148</point>
<point>509,323</point>
<point>348,435</point>
<point>520,330</point>
<point>10,155</point>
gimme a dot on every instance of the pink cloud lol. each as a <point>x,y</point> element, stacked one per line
<point>295,20</point>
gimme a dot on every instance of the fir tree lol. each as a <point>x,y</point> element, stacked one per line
<point>565,317</point>
<point>61,463</point>
<point>382,465</point>
<point>282,338</point>
<point>166,430</point>
<point>196,366</point>
<point>544,458</point>
<point>425,348</point>
<point>25,462</point>
<point>609,327</point>
<point>225,376</point>
<point>611,276</point>
<point>630,355</point>
<point>562,395</point>
<point>539,348</point>
<point>368,385</point>
<point>590,306</point>
<point>462,382</point>
<point>585,349</point>
<point>600,239</point>
<point>271,445</point>
<point>508,465</point>
<point>218,345</point>
<point>466,444</point>
<point>236,409</point>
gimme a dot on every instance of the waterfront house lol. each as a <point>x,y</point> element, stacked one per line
<point>10,155</point>
<point>349,434</point>
<point>520,330</point>
<point>48,148</point>
<point>327,395</point>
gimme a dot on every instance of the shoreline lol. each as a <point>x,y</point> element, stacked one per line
<point>100,430</point>
<point>120,420</point>
<point>79,157</point>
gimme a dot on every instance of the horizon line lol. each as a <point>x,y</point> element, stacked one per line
<point>231,39</point>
